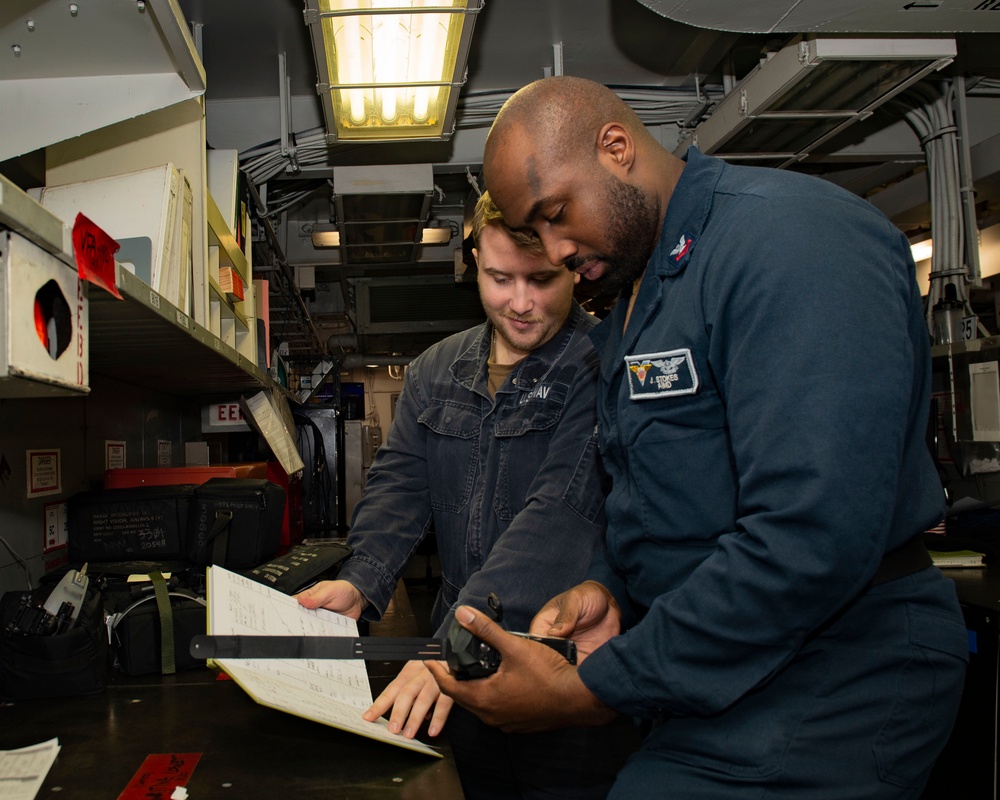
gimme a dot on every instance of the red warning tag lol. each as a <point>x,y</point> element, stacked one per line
<point>94,251</point>
<point>159,775</point>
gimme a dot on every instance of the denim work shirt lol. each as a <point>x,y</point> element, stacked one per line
<point>512,485</point>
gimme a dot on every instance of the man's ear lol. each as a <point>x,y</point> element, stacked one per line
<point>475,256</point>
<point>616,147</point>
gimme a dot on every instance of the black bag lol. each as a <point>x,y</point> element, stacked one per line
<point>74,662</point>
<point>145,522</point>
<point>235,522</point>
<point>153,634</point>
<point>302,566</point>
<point>125,582</point>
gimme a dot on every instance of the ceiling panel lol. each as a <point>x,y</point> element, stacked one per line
<point>631,45</point>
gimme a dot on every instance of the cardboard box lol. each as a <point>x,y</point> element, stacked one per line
<point>231,283</point>
<point>196,454</point>
<point>43,323</point>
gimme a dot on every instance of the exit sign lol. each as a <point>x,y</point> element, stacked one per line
<point>223,417</point>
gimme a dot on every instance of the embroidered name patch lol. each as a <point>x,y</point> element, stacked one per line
<point>661,374</point>
<point>540,392</point>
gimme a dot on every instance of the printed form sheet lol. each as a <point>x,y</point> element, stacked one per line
<point>334,693</point>
<point>23,771</point>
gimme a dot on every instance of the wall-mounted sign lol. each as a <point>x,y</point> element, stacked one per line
<point>56,527</point>
<point>114,455</point>
<point>44,470</point>
<point>223,418</point>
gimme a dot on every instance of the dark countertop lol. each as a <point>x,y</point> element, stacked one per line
<point>977,586</point>
<point>247,750</point>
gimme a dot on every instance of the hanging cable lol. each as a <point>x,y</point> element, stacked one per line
<point>266,161</point>
<point>370,389</point>
<point>20,561</point>
<point>473,182</point>
<point>928,109</point>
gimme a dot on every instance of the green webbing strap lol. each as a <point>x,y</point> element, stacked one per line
<point>167,664</point>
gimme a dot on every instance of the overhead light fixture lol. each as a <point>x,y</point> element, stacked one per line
<point>390,70</point>
<point>436,235</point>
<point>921,251</point>
<point>329,236</point>
<point>325,235</point>
<point>808,92</point>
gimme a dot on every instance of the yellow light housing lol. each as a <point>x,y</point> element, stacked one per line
<point>390,70</point>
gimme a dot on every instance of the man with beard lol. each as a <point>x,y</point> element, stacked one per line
<point>493,446</point>
<point>764,599</point>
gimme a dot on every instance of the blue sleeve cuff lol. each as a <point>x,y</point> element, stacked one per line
<point>605,676</point>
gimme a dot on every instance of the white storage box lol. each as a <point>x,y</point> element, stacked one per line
<point>144,212</point>
<point>43,323</point>
<point>222,167</point>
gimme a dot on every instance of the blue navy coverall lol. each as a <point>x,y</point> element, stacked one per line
<point>513,489</point>
<point>763,420</point>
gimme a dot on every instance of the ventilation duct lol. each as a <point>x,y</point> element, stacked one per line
<point>415,305</point>
<point>810,91</point>
<point>843,16</point>
<point>381,212</point>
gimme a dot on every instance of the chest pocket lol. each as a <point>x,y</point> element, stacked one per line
<point>452,446</point>
<point>536,413</point>
<point>678,455</point>
<point>523,435</point>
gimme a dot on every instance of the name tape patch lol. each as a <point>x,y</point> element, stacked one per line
<point>665,374</point>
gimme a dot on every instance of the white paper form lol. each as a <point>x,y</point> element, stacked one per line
<point>22,771</point>
<point>332,692</point>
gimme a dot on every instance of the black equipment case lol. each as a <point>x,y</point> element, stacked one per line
<point>154,633</point>
<point>302,566</point>
<point>146,522</point>
<point>72,662</point>
<point>235,522</point>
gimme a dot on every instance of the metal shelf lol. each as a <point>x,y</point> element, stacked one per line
<point>230,253</point>
<point>970,346</point>
<point>107,60</point>
<point>144,340</point>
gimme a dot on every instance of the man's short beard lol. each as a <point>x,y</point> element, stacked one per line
<point>632,227</point>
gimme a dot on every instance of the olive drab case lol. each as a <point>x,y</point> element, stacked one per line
<point>153,633</point>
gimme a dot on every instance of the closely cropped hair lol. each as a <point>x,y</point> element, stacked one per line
<point>487,213</point>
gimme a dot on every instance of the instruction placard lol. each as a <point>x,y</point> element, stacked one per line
<point>114,454</point>
<point>56,527</point>
<point>44,468</point>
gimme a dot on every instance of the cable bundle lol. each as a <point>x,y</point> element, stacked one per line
<point>931,116</point>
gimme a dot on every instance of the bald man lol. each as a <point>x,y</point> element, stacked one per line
<point>764,600</point>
